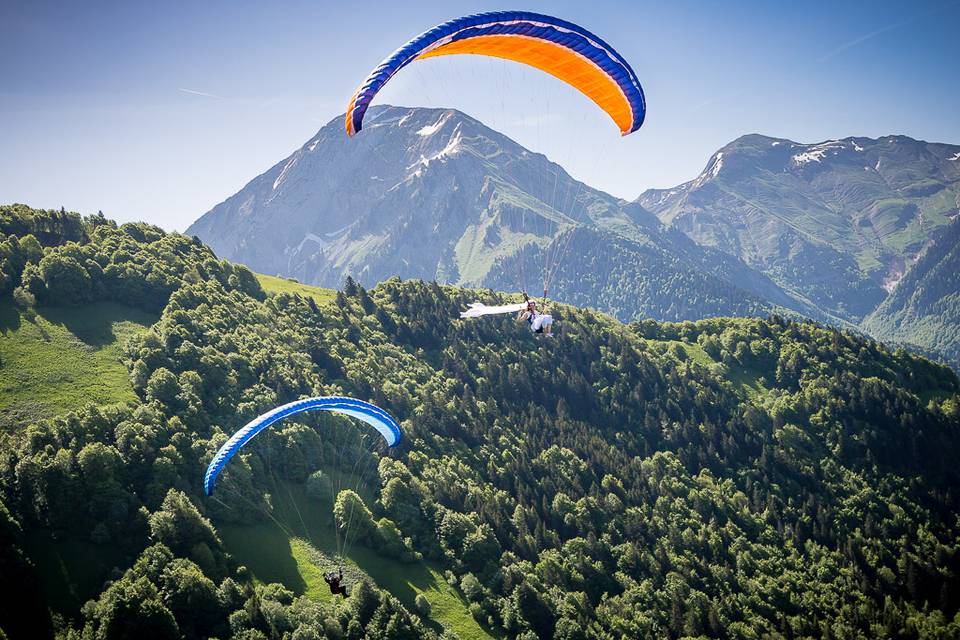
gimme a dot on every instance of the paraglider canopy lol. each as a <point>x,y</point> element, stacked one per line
<point>376,417</point>
<point>562,49</point>
<point>478,309</point>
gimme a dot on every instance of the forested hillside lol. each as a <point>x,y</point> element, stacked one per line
<point>734,478</point>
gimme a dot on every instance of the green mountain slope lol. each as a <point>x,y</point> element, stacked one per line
<point>299,543</point>
<point>924,310</point>
<point>55,360</point>
<point>720,478</point>
<point>631,280</point>
<point>273,284</point>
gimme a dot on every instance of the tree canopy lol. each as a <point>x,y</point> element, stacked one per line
<point>724,478</point>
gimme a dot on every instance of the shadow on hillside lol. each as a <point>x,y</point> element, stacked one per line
<point>265,550</point>
<point>72,571</point>
<point>9,316</point>
<point>92,325</point>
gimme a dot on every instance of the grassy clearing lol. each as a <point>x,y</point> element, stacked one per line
<point>299,544</point>
<point>60,359</point>
<point>681,350</point>
<point>938,206</point>
<point>406,581</point>
<point>273,284</point>
<point>695,353</point>
<point>312,565</point>
<point>747,382</point>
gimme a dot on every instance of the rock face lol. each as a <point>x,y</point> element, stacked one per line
<point>422,193</point>
<point>435,194</point>
<point>837,223</point>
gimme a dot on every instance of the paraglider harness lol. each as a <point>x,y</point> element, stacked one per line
<point>530,319</point>
<point>335,582</point>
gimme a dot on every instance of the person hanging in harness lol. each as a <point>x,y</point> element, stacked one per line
<point>335,582</point>
<point>539,322</point>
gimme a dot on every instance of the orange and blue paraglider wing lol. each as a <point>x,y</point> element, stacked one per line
<point>562,49</point>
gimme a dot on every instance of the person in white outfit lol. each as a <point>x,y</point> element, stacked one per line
<point>539,322</point>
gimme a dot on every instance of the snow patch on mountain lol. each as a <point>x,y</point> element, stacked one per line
<point>668,194</point>
<point>431,129</point>
<point>337,232</point>
<point>283,172</point>
<point>452,148</point>
<point>809,156</point>
<point>713,168</point>
<point>310,237</point>
<point>817,152</point>
<point>718,163</point>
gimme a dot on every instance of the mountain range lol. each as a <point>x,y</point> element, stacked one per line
<point>827,231</point>
<point>839,222</point>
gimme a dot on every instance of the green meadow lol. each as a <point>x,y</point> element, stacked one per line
<point>54,360</point>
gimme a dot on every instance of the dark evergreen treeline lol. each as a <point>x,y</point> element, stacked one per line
<point>629,280</point>
<point>723,478</point>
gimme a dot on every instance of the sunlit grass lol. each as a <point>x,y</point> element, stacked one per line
<point>695,353</point>
<point>273,284</point>
<point>55,360</point>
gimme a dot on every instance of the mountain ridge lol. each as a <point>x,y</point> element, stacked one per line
<point>856,210</point>
<point>841,223</point>
<point>455,201</point>
<point>824,230</point>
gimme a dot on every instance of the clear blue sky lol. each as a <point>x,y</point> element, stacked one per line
<point>159,110</point>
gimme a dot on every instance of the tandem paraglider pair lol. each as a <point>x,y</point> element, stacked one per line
<point>526,311</point>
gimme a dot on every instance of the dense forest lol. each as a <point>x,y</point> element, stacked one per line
<point>731,478</point>
<point>629,280</point>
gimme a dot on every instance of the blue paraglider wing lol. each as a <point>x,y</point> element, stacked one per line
<point>376,417</point>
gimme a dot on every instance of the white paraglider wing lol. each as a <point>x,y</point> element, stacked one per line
<point>477,309</point>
